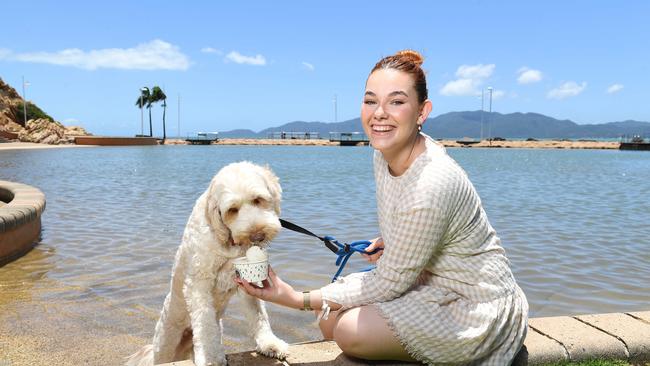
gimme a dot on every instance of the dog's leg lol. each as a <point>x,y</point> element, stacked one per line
<point>267,343</point>
<point>205,327</point>
<point>173,322</point>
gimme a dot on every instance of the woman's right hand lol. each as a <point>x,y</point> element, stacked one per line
<point>374,244</point>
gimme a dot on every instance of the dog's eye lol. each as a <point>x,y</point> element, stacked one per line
<point>258,201</point>
<point>233,211</point>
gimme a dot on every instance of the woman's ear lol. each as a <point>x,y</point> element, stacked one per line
<point>426,108</point>
<point>273,185</point>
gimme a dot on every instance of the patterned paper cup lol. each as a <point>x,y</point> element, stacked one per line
<point>251,271</point>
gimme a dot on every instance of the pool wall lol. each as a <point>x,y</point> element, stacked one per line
<point>21,207</point>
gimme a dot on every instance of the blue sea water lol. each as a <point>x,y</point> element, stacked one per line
<point>574,224</point>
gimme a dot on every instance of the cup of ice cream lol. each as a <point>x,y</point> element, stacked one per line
<point>254,267</point>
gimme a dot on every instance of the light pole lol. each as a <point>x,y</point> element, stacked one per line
<point>490,118</point>
<point>25,101</point>
<point>142,110</point>
<point>335,110</point>
<point>482,109</point>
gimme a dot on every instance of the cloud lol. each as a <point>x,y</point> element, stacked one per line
<point>566,90</point>
<point>614,88</point>
<point>479,71</point>
<point>154,55</point>
<point>238,58</point>
<point>470,78</point>
<point>211,50</point>
<point>528,76</point>
<point>308,66</point>
<point>498,94</point>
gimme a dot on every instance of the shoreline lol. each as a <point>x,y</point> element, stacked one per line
<point>508,144</point>
<point>519,144</point>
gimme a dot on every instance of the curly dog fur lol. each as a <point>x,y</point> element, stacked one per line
<point>240,208</point>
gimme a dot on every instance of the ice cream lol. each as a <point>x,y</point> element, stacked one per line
<point>256,254</point>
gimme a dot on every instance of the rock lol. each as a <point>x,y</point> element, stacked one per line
<point>43,131</point>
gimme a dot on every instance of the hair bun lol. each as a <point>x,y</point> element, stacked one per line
<point>411,55</point>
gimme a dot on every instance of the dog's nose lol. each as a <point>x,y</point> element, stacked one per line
<point>258,237</point>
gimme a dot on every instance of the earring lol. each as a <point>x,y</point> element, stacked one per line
<point>419,128</point>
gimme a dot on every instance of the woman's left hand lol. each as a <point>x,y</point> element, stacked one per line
<point>274,290</point>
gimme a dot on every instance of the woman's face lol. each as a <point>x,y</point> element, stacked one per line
<point>390,112</point>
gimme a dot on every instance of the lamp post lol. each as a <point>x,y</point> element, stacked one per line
<point>25,101</point>
<point>490,118</point>
<point>142,110</point>
<point>482,109</point>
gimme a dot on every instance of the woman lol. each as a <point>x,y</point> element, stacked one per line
<point>442,291</point>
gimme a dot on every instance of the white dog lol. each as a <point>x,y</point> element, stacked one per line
<point>240,208</point>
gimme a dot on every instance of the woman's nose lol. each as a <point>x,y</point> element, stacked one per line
<point>379,112</point>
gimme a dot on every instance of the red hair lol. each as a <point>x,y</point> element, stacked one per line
<point>407,61</point>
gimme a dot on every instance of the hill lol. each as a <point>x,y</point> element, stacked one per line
<point>40,127</point>
<point>454,125</point>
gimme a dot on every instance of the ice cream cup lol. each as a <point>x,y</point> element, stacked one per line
<point>253,271</point>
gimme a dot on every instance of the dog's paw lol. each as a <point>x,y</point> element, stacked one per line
<point>273,346</point>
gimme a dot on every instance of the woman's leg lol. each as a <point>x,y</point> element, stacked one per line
<point>363,333</point>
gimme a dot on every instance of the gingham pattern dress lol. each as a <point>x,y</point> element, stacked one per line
<point>444,283</point>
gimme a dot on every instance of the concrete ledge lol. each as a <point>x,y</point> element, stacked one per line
<point>20,219</point>
<point>115,141</point>
<point>616,336</point>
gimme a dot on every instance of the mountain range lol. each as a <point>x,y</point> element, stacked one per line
<point>455,125</point>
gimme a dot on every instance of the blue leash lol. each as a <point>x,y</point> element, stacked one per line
<point>343,251</point>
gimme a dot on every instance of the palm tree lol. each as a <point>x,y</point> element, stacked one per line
<point>145,100</point>
<point>158,95</point>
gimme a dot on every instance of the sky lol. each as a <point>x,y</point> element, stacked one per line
<point>259,64</point>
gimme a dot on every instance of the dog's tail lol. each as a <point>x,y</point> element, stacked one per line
<point>144,357</point>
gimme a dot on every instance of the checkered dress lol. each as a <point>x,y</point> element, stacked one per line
<point>444,283</point>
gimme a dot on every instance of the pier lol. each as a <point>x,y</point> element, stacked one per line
<point>350,138</point>
<point>203,138</point>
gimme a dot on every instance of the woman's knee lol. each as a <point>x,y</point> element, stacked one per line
<point>346,334</point>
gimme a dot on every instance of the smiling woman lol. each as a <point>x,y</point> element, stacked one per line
<point>442,290</point>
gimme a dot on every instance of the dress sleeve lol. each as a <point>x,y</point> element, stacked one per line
<point>417,237</point>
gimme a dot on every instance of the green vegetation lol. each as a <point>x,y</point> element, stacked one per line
<point>33,112</point>
<point>148,97</point>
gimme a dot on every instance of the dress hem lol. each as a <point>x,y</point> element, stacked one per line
<point>410,350</point>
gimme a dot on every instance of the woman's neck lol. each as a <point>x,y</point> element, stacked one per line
<point>399,162</point>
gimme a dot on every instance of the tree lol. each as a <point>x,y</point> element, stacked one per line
<point>157,95</point>
<point>145,100</point>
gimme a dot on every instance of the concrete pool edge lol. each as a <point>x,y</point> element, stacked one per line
<point>613,336</point>
<point>20,219</point>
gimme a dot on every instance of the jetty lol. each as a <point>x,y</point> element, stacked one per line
<point>637,142</point>
<point>203,138</point>
<point>550,340</point>
<point>293,135</point>
<point>349,138</point>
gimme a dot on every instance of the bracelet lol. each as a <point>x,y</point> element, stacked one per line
<point>325,311</point>
<point>306,301</point>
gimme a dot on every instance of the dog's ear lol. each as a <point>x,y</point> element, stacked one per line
<point>212,212</point>
<point>273,184</point>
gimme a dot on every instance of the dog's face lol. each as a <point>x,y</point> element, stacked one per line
<point>243,205</point>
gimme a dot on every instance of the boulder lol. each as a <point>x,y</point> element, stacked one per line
<point>43,131</point>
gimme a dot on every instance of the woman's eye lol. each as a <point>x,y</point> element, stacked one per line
<point>398,102</point>
<point>369,102</point>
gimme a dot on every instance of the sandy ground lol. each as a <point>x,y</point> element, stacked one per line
<point>545,144</point>
<point>32,145</point>
<point>542,144</point>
